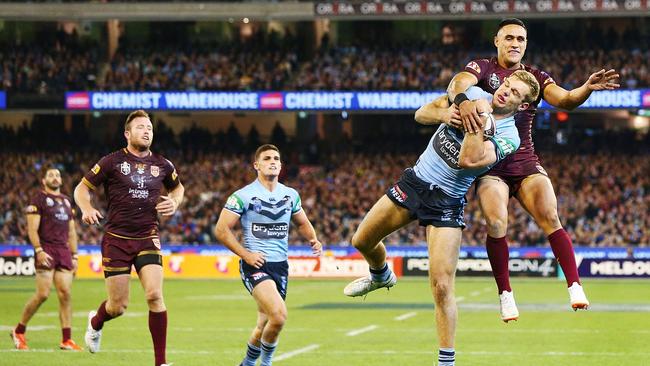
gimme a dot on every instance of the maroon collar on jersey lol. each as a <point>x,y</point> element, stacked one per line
<point>127,152</point>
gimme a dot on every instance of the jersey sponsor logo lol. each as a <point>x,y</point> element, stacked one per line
<point>139,167</point>
<point>233,203</point>
<point>96,169</point>
<point>258,276</point>
<point>398,194</point>
<point>494,81</point>
<point>270,231</point>
<point>155,171</point>
<point>447,147</point>
<point>156,242</point>
<point>125,168</point>
<point>31,209</point>
<point>273,211</point>
<point>49,202</point>
<point>474,66</point>
<point>62,215</point>
<point>446,215</point>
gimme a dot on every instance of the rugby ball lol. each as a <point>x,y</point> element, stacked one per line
<point>490,126</point>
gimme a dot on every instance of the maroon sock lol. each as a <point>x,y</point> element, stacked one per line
<point>158,329</point>
<point>20,328</point>
<point>102,316</point>
<point>67,333</point>
<point>497,250</point>
<point>563,251</point>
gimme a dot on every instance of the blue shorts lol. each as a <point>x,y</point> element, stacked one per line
<point>278,272</point>
<point>427,202</point>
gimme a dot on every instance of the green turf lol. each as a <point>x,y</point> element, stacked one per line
<point>210,322</point>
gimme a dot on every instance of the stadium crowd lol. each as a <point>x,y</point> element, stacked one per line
<point>603,197</point>
<point>271,62</point>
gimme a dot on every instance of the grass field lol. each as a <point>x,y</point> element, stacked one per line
<point>209,322</point>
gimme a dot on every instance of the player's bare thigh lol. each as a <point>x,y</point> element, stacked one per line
<point>117,288</point>
<point>63,281</point>
<point>444,248</point>
<point>44,279</point>
<point>383,218</point>
<point>269,301</point>
<point>493,195</point>
<point>537,196</point>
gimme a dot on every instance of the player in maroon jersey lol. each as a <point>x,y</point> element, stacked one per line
<point>133,179</point>
<point>521,174</point>
<point>51,229</point>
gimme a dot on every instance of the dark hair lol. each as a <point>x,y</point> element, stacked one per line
<point>133,115</point>
<point>509,21</point>
<point>46,168</point>
<point>263,148</point>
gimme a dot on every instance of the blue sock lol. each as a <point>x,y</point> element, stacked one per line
<point>446,357</point>
<point>380,275</point>
<point>252,354</point>
<point>268,349</point>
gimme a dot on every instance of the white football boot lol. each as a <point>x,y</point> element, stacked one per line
<point>93,337</point>
<point>578,297</point>
<point>509,309</point>
<point>361,286</point>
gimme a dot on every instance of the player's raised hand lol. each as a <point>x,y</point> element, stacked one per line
<point>603,80</point>
<point>43,259</point>
<point>469,115</point>
<point>91,216</point>
<point>316,247</point>
<point>254,259</point>
<point>167,207</point>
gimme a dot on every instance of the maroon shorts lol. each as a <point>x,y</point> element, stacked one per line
<point>61,257</point>
<point>119,254</point>
<point>514,176</point>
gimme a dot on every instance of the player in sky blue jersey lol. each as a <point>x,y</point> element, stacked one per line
<point>433,192</point>
<point>265,208</point>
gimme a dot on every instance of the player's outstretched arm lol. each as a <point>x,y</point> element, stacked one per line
<point>438,111</point>
<point>89,214</point>
<point>559,97</point>
<point>223,233</point>
<point>306,230</point>
<point>469,112</point>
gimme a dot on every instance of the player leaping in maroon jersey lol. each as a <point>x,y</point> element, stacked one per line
<point>51,230</point>
<point>521,174</point>
<point>133,179</point>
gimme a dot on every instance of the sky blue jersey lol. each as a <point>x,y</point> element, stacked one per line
<point>265,217</point>
<point>438,164</point>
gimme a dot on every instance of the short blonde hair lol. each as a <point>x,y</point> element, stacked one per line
<point>134,115</point>
<point>532,83</point>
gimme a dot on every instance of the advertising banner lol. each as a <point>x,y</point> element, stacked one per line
<point>332,267</point>
<point>3,100</point>
<point>12,266</point>
<point>529,267</point>
<point>306,101</point>
<point>476,8</point>
<point>615,268</point>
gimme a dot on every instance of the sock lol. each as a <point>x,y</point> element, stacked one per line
<point>563,251</point>
<point>497,250</point>
<point>97,322</point>
<point>158,330</point>
<point>21,328</point>
<point>446,357</point>
<point>67,333</point>
<point>268,349</point>
<point>252,354</point>
<point>380,275</point>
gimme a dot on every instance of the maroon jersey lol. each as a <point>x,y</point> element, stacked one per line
<point>490,76</point>
<point>56,213</point>
<point>133,187</point>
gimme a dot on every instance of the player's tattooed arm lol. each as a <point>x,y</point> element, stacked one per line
<point>469,113</point>
<point>559,97</point>
<point>306,230</point>
<point>438,111</point>
<point>223,233</point>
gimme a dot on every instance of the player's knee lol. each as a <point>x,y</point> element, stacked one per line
<point>117,308</point>
<point>154,296</point>
<point>496,226</point>
<point>359,243</point>
<point>549,220</point>
<point>41,296</point>
<point>443,288</point>
<point>278,317</point>
<point>64,294</point>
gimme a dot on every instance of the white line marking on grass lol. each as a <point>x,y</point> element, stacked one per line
<point>32,328</point>
<point>406,316</point>
<point>290,354</point>
<point>218,297</point>
<point>460,298</point>
<point>356,332</point>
